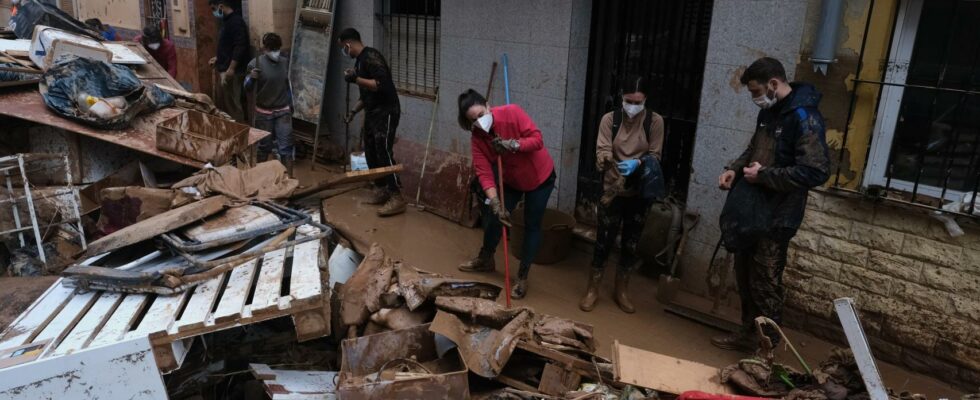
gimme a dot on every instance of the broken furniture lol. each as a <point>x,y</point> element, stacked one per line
<point>22,164</point>
<point>401,364</point>
<point>285,282</point>
<point>295,385</point>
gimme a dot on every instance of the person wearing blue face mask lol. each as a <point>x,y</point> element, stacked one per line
<point>232,57</point>
<point>628,138</point>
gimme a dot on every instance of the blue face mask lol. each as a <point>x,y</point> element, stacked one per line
<point>217,13</point>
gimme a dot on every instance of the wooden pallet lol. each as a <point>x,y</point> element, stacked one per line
<point>251,292</point>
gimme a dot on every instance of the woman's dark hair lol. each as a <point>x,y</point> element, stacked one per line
<point>349,34</point>
<point>632,84</point>
<point>271,41</point>
<point>152,34</point>
<point>762,70</point>
<point>94,23</point>
<point>468,99</point>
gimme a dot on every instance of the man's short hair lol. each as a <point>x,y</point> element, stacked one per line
<point>271,41</point>
<point>349,34</point>
<point>233,4</point>
<point>762,70</point>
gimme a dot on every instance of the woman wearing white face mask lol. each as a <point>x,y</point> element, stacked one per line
<point>509,133</point>
<point>626,137</point>
<point>161,49</point>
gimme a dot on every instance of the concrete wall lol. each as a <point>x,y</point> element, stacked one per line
<point>547,78</point>
<point>917,288</point>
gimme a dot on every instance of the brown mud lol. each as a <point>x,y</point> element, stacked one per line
<point>16,294</point>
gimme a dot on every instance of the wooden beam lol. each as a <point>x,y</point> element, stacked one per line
<point>350,177</point>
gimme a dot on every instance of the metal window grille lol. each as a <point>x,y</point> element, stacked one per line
<point>156,15</point>
<point>925,150</point>
<point>411,44</point>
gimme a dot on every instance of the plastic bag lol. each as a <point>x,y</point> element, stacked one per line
<point>91,92</point>
<point>31,13</point>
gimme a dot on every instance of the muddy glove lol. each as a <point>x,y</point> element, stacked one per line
<point>627,167</point>
<point>506,145</point>
<point>500,211</point>
<point>350,76</point>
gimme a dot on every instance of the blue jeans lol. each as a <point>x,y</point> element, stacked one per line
<point>280,123</point>
<point>535,202</point>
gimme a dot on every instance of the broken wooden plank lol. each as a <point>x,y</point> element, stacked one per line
<point>664,373</point>
<point>157,224</point>
<point>162,313</point>
<point>124,316</point>
<point>262,372</point>
<point>93,320</point>
<point>349,177</point>
<point>233,299</point>
<point>200,304</point>
<point>269,285</point>
<point>304,283</point>
<point>37,316</point>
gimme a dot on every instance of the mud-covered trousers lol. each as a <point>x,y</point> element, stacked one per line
<point>535,202</point>
<point>759,276</point>
<point>378,136</point>
<point>280,124</point>
<point>625,216</point>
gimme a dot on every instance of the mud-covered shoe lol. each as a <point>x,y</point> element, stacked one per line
<point>378,197</point>
<point>592,293</point>
<point>395,205</point>
<point>519,290</point>
<point>482,263</point>
<point>734,341</point>
<point>621,295</point>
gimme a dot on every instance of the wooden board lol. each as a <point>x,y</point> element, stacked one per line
<point>349,177</point>
<point>67,318</point>
<point>37,316</point>
<point>122,319</point>
<point>233,299</point>
<point>269,284</point>
<point>303,285</point>
<point>664,373</point>
<point>94,319</point>
<point>296,385</point>
<point>159,317</point>
<point>200,305</point>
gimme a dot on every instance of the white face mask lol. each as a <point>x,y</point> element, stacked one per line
<point>273,55</point>
<point>633,109</point>
<point>485,122</point>
<point>764,101</point>
<point>153,46</point>
<point>346,51</point>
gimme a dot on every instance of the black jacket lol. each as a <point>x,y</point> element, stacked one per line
<point>232,43</point>
<point>790,143</point>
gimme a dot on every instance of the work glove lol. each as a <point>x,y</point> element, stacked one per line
<point>627,167</point>
<point>350,76</point>
<point>500,211</point>
<point>505,145</point>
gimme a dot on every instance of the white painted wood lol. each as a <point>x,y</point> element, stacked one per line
<point>304,283</point>
<point>72,312</point>
<point>302,385</point>
<point>236,291</point>
<point>120,321</point>
<point>860,347</point>
<point>200,304</point>
<point>37,316</point>
<point>125,370</point>
<point>269,284</point>
<point>162,313</point>
<point>89,325</point>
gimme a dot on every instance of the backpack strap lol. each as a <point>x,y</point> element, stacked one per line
<point>617,121</point>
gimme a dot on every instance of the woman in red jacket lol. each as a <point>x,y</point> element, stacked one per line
<point>529,173</point>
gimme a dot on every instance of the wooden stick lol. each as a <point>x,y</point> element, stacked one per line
<point>349,177</point>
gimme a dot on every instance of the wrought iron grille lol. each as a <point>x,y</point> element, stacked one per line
<point>156,15</point>
<point>411,44</point>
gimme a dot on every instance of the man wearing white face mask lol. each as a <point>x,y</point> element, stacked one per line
<point>786,157</point>
<point>628,138</point>
<point>268,74</point>
<point>161,49</point>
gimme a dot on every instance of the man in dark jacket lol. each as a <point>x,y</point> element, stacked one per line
<point>379,100</point>
<point>232,57</point>
<point>787,156</point>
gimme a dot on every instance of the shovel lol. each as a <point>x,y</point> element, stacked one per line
<point>669,284</point>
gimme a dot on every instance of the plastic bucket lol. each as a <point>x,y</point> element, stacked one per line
<point>556,235</point>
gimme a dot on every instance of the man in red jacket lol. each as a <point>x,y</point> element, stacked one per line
<point>509,133</point>
<point>161,49</point>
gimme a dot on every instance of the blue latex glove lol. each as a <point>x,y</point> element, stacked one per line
<point>627,167</point>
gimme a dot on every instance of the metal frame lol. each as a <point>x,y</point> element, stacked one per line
<point>288,218</point>
<point>402,33</point>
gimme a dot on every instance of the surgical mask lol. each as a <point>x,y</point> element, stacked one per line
<point>153,46</point>
<point>217,13</point>
<point>273,55</point>
<point>764,101</point>
<point>633,109</point>
<point>346,51</point>
<point>485,122</point>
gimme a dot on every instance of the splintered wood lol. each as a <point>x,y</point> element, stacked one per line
<point>73,320</point>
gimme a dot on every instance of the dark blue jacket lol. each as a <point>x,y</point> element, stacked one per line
<point>232,43</point>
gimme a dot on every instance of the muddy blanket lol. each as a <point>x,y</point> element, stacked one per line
<point>265,181</point>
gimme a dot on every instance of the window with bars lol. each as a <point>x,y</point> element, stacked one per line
<point>411,44</point>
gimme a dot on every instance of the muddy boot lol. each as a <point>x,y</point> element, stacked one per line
<point>592,293</point>
<point>289,167</point>
<point>519,290</point>
<point>738,341</point>
<point>621,296</point>
<point>395,205</point>
<point>482,263</point>
<point>378,197</point>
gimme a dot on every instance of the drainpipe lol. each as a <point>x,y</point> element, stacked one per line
<point>825,45</point>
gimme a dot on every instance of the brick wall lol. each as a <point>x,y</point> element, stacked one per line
<point>918,289</point>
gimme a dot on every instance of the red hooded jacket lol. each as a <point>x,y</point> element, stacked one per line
<point>524,170</point>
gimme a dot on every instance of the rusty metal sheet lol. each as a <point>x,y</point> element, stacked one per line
<point>445,185</point>
<point>140,136</point>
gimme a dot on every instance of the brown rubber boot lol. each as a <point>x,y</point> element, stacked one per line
<point>289,167</point>
<point>482,263</point>
<point>378,197</point>
<point>592,293</point>
<point>738,341</point>
<point>395,205</point>
<point>621,296</point>
<point>519,290</point>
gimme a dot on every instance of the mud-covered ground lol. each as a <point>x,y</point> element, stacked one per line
<point>16,294</point>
